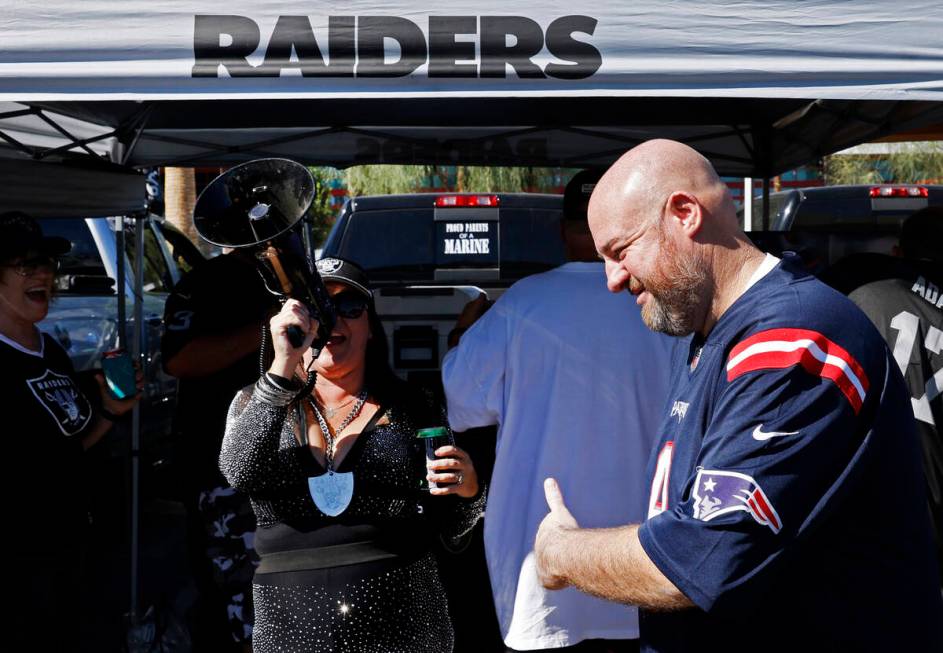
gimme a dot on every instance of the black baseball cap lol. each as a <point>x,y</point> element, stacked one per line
<point>21,235</point>
<point>348,272</point>
<point>921,235</point>
<point>577,192</point>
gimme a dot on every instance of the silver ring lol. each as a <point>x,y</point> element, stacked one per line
<point>461,479</point>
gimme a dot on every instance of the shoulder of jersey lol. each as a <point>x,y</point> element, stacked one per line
<point>808,326</point>
<point>808,349</point>
<point>53,348</point>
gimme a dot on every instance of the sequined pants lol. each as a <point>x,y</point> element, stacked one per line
<point>400,610</point>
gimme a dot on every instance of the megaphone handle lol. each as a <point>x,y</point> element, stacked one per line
<point>295,336</point>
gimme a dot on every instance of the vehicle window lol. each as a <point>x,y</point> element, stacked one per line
<point>184,253</point>
<point>387,240</point>
<point>156,274</point>
<point>530,240</point>
<point>401,244</point>
<point>84,257</point>
<point>777,207</point>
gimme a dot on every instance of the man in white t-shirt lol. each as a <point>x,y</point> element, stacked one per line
<point>574,400</point>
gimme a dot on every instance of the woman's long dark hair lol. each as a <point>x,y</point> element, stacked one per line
<point>379,376</point>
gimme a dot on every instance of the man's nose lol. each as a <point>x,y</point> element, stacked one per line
<point>616,277</point>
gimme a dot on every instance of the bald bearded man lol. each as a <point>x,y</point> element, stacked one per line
<point>786,505</point>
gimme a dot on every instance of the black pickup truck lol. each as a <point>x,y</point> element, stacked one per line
<point>828,224</point>
<point>428,254</point>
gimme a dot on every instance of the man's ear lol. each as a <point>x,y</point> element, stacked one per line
<point>687,213</point>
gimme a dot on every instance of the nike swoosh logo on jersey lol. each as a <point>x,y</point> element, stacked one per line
<point>761,435</point>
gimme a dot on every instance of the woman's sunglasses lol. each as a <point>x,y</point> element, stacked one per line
<point>28,267</point>
<point>350,305</point>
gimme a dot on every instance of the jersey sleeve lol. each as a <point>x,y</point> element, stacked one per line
<point>473,373</point>
<point>781,446</point>
<point>192,310</point>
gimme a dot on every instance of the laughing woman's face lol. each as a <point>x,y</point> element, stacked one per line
<point>25,289</point>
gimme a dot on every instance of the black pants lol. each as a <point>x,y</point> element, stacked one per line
<point>46,607</point>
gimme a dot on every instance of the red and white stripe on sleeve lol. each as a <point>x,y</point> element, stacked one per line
<point>782,348</point>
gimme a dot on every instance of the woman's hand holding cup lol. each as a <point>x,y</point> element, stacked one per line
<point>452,470</point>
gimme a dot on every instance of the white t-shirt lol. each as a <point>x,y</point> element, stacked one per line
<point>578,385</point>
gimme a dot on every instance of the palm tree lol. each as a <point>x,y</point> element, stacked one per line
<point>179,200</point>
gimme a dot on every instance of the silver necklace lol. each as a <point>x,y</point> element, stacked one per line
<point>328,437</point>
<point>332,491</point>
<point>329,413</point>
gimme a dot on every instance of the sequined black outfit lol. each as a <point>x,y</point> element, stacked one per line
<point>365,581</point>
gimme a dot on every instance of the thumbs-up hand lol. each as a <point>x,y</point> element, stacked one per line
<point>549,534</point>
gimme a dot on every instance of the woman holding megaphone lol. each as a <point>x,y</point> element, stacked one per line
<point>335,472</point>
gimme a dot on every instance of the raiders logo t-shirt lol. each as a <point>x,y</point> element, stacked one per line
<point>46,416</point>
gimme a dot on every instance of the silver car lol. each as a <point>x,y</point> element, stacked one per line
<point>83,314</point>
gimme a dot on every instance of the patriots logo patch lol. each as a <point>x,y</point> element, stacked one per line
<point>719,493</point>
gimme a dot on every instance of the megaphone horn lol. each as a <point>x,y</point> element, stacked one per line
<point>253,202</point>
<point>252,205</point>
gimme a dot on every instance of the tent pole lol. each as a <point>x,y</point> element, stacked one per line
<point>136,349</point>
<point>18,145</point>
<point>122,339</point>
<point>764,143</point>
<point>766,182</point>
<point>128,147</point>
<point>120,282</point>
<point>748,203</point>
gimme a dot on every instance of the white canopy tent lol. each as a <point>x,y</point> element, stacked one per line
<point>758,87</point>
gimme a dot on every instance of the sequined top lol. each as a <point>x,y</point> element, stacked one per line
<point>390,605</point>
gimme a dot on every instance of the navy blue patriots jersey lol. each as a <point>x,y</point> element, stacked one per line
<point>787,498</point>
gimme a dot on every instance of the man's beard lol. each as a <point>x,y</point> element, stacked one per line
<point>676,295</point>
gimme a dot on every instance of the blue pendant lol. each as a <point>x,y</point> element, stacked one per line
<point>332,492</point>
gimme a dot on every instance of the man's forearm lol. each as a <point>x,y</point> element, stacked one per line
<point>610,563</point>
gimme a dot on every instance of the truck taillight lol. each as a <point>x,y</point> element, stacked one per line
<point>452,201</point>
<point>899,191</point>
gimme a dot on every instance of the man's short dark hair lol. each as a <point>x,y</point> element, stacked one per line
<point>921,235</point>
<point>577,192</point>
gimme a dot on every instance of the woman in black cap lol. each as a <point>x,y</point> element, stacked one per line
<point>333,471</point>
<point>56,424</point>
